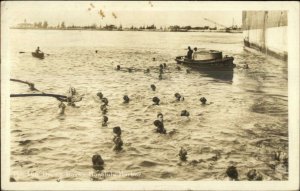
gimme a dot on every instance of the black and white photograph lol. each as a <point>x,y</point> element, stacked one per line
<point>149,95</point>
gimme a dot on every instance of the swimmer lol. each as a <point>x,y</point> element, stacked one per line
<point>153,87</point>
<point>182,154</point>
<point>203,100</point>
<point>178,97</point>
<point>188,71</point>
<point>117,130</point>
<point>232,173</point>
<point>165,65</point>
<point>96,51</point>
<point>126,99</point>
<point>72,91</point>
<point>160,117</point>
<point>118,67</point>
<point>105,101</point>
<point>104,121</point>
<point>147,71</point>
<point>185,113</point>
<point>159,127</point>
<point>254,175</point>
<point>156,100</point>
<point>62,107</point>
<point>100,95</point>
<point>117,138</point>
<point>98,162</point>
<point>153,59</point>
<point>178,68</point>
<point>103,108</point>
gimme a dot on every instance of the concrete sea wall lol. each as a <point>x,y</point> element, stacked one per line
<point>266,31</point>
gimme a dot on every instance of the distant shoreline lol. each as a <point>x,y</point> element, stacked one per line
<point>138,30</point>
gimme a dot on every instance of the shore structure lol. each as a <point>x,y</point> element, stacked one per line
<point>266,31</point>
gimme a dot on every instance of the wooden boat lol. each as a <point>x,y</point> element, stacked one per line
<point>38,55</point>
<point>211,60</point>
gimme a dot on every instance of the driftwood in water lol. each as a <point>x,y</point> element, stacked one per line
<point>59,97</point>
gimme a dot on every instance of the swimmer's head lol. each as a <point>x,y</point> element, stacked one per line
<point>126,99</point>
<point>178,96</point>
<point>100,95</point>
<point>203,100</point>
<point>156,100</point>
<point>185,113</point>
<point>118,67</point>
<point>153,87</point>
<point>117,130</point>
<point>232,173</point>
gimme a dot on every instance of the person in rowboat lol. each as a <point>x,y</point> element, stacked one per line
<point>38,50</point>
<point>194,54</point>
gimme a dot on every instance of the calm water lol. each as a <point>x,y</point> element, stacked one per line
<point>245,121</point>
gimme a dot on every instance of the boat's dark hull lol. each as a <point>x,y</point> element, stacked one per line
<point>38,55</point>
<point>224,64</point>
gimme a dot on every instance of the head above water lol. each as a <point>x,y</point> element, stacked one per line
<point>126,99</point>
<point>156,100</point>
<point>232,173</point>
<point>153,87</point>
<point>117,130</point>
<point>195,49</point>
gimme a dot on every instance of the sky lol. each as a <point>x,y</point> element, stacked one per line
<point>142,13</point>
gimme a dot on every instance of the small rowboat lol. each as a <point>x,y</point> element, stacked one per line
<point>208,61</point>
<point>38,55</point>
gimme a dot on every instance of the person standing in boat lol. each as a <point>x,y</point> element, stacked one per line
<point>189,53</point>
<point>38,50</point>
<point>194,54</point>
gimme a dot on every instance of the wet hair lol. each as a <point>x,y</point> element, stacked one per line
<point>117,130</point>
<point>185,113</point>
<point>100,95</point>
<point>105,101</point>
<point>118,143</point>
<point>103,109</point>
<point>232,173</point>
<point>160,126</point>
<point>203,100</point>
<point>153,87</point>
<point>105,119</point>
<point>178,96</point>
<point>182,154</point>
<point>156,100</point>
<point>126,99</point>
<point>118,67</point>
<point>97,160</point>
<point>254,175</point>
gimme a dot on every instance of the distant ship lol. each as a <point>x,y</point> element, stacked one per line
<point>266,31</point>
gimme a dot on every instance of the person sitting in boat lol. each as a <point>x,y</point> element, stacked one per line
<point>38,50</point>
<point>194,54</point>
<point>189,53</point>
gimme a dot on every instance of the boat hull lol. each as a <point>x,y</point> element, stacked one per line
<point>38,55</point>
<point>223,64</point>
